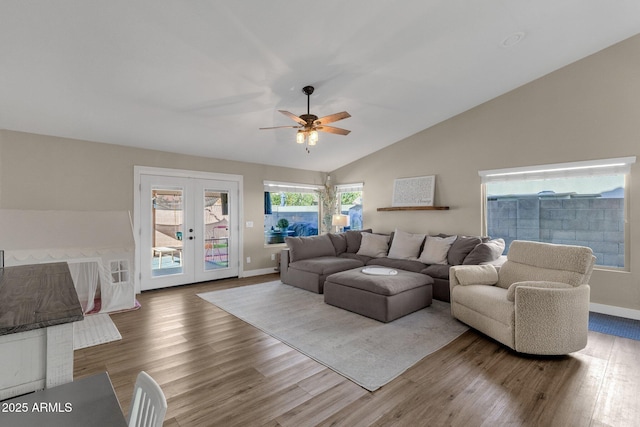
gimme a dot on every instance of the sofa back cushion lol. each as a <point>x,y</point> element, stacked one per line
<point>354,238</point>
<point>309,247</point>
<point>546,262</point>
<point>339,241</point>
<point>485,252</point>
<point>461,248</point>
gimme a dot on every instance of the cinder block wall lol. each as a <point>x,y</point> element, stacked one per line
<point>587,221</point>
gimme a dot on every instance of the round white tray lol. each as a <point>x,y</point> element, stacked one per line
<point>379,271</point>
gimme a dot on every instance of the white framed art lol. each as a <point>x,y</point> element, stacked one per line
<point>417,191</point>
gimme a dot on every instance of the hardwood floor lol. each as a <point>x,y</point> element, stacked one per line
<point>216,370</point>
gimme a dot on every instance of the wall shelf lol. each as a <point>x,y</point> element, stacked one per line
<point>414,208</point>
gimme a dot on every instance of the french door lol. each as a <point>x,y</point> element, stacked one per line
<point>188,230</point>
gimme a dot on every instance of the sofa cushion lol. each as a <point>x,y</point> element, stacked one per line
<point>477,275</point>
<point>362,258</point>
<point>400,264</point>
<point>437,271</point>
<point>354,238</point>
<point>405,245</point>
<point>436,249</point>
<point>485,252</point>
<point>326,265</point>
<point>339,241</point>
<point>461,248</point>
<point>381,285</point>
<point>490,301</point>
<point>309,247</point>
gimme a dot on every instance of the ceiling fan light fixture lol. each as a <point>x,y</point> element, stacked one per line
<point>313,137</point>
<point>300,137</point>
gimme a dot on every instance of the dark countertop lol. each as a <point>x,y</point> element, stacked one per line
<point>89,401</point>
<point>37,296</point>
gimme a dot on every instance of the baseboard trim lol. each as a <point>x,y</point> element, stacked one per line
<point>615,311</point>
<point>259,272</point>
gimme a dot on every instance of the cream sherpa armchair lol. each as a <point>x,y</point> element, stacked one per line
<point>536,303</point>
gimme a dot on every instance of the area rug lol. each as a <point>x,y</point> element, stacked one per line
<point>613,325</point>
<point>93,330</point>
<point>367,352</point>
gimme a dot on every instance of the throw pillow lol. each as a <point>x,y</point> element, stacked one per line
<point>436,250</point>
<point>485,252</point>
<point>461,248</point>
<point>374,245</point>
<point>354,238</point>
<point>405,245</point>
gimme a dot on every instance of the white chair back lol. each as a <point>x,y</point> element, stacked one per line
<point>539,261</point>
<point>148,406</point>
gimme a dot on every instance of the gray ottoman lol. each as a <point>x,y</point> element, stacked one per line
<point>384,298</point>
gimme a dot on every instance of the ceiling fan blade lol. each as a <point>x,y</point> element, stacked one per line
<point>331,129</point>
<point>293,117</point>
<point>332,118</point>
<point>281,127</point>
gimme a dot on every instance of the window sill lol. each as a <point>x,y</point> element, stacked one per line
<point>611,269</point>
<point>275,245</point>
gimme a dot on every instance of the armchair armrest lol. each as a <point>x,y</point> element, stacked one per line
<point>511,292</point>
<point>550,319</point>
<point>473,275</point>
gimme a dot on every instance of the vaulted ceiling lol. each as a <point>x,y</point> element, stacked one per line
<point>200,77</point>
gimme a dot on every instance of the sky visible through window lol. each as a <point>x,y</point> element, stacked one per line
<point>599,184</point>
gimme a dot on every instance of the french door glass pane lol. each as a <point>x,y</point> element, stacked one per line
<point>168,230</point>
<point>216,226</point>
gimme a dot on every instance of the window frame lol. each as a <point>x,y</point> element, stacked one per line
<point>290,187</point>
<point>612,166</point>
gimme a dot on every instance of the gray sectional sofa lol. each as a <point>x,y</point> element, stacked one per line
<point>308,261</point>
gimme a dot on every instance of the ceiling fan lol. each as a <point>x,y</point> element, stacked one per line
<point>309,124</point>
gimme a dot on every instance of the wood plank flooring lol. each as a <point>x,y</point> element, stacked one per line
<point>216,370</point>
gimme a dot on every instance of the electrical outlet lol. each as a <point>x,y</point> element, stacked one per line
<point>248,260</point>
<point>249,224</point>
<point>273,257</point>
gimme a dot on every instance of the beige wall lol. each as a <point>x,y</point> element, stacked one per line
<point>50,173</point>
<point>588,110</point>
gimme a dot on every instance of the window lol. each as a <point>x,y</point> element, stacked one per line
<point>119,271</point>
<point>350,204</point>
<point>289,210</point>
<point>580,203</point>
